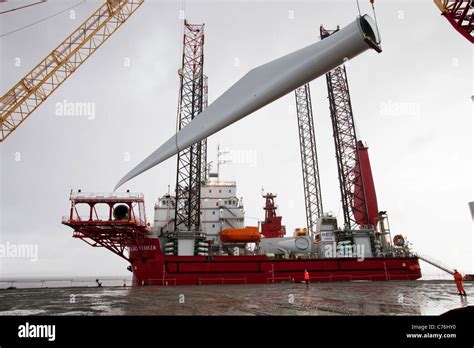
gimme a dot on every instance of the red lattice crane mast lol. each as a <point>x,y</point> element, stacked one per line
<point>359,203</point>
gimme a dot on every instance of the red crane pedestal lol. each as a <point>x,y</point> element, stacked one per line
<point>271,227</point>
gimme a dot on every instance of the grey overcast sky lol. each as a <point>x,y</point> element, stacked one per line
<point>412,106</point>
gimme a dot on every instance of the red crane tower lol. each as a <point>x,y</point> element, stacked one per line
<point>355,179</point>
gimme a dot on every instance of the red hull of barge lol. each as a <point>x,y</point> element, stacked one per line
<point>151,267</point>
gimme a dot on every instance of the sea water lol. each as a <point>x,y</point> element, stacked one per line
<point>420,297</point>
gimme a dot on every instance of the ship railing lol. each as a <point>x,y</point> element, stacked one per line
<point>398,277</point>
<point>332,278</point>
<point>343,278</point>
<point>106,196</point>
<point>367,278</point>
<point>162,281</point>
<point>102,219</point>
<point>78,218</point>
<point>276,280</point>
<point>320,279</point>
<point>379,277</point>
<point>221,184</point>
<point>62,283</point>
<point>222,281</point>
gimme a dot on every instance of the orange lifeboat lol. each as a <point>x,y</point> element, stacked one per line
<point>248,234</point>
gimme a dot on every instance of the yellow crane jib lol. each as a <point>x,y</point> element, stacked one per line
<point>34,88</point>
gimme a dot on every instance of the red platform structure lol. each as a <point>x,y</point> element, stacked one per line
<point>113,221</point>
<point>123,229</point>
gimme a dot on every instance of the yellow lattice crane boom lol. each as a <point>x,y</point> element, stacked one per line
<point>33,89</point>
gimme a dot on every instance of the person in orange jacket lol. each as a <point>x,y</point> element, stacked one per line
<point>458,281</point>
<point>306,277</point>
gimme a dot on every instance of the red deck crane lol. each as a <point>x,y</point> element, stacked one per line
<point>272,227</point>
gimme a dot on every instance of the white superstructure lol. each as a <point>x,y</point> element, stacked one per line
<point>220,209</point>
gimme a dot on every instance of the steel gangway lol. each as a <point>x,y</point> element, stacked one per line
<point>435,263</point>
